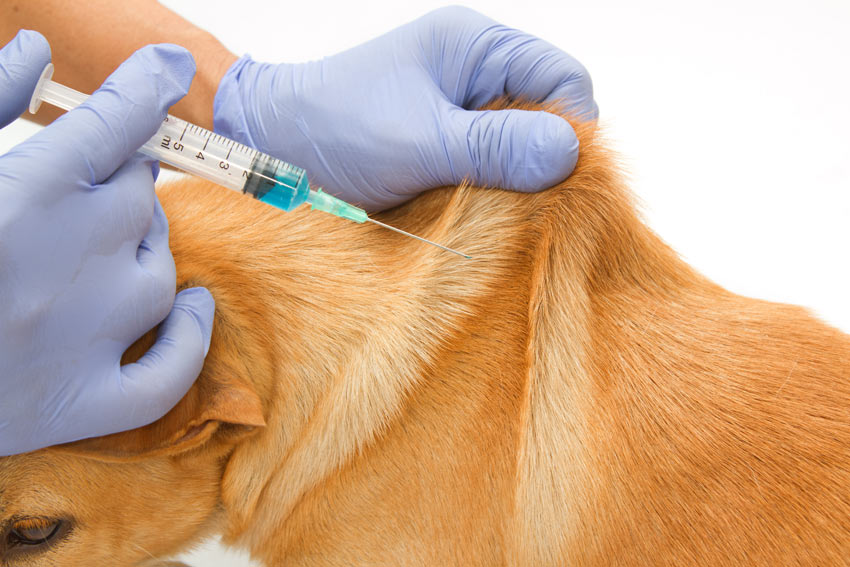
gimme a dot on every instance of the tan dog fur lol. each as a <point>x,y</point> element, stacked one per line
<point>573,395</point>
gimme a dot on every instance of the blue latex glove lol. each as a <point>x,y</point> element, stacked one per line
<point>85,267</point>
<point>384,121</point>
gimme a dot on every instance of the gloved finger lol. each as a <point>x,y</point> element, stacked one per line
<point>124,205</point>
<point>130,219</point>
<point>147,389</point>
<point>513,149</point>
<point>21,62</point>
<point>154,255</point>
<point>157,275</point>
<point>528,68</point>
<point>94,139</point>
<point>503,61</point>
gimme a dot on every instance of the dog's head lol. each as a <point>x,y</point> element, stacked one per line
<point>132,497</point>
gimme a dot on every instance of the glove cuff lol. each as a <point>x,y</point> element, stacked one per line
<point>229,117</point>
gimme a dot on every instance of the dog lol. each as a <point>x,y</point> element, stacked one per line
<point>574,394</point>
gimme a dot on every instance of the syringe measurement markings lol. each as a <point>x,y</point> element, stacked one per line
<point>184,131</point>
<point>243,149</point>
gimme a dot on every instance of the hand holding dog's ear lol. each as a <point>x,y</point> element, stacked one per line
<point>86,268</point>
<point>384,121</point>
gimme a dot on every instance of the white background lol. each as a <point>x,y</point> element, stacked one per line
<point>732,118</point>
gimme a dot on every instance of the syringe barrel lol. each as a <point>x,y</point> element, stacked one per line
<point>206,154</point>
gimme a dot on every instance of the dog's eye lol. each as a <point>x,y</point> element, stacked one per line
<point>33,531</point>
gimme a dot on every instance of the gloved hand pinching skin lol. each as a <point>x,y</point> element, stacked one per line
<point>386,120</point>
<point>85,267</point>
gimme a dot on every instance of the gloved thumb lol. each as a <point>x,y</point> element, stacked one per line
<point>513,149</point>
<point>21,62</point>
<point>166,372</point>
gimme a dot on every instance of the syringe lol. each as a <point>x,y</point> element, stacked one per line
<point>226,162</point>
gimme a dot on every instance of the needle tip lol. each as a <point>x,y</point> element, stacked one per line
<point>447,249</point>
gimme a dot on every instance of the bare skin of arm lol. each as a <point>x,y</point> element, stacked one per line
<point>90,39</point>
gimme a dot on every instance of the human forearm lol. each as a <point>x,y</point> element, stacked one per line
<point>89,40</point>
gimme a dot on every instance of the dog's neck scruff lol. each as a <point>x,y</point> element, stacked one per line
<point>327,331</point>
<point>370,399</point>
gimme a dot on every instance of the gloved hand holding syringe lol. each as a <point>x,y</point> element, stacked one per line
<point>195,150</point>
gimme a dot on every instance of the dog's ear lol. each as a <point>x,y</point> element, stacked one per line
<point>219,409</point>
